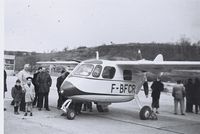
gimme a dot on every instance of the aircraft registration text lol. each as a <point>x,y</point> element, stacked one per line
<point>123,88</point>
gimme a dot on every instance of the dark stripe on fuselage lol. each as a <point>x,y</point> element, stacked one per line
<point>70,90</point>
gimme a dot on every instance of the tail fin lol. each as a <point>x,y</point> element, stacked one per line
<point>97,55</point>
<point>159,57</point>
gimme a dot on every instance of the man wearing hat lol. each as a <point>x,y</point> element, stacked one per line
<point>60,80</point>
<point>44,82</point>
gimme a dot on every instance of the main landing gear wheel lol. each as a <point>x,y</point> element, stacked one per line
<point>101,109</point>
<point>145,113</point>
<point>71,114</point>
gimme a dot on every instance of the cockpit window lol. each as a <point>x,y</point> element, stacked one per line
<point>84,70</point>
<point>108,72</point>
<point>127,74</point>
<point>97,71</point>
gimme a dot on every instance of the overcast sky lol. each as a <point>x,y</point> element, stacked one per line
<point>43,25</point>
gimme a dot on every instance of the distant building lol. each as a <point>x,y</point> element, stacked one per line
<point>9,64</point>
<point>55,67</point>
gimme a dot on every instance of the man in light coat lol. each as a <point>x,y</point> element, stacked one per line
<point>178,93</point>
<point>22,76</point>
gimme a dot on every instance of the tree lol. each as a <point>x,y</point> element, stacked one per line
<point>65,49</point>
<point>31,60</point>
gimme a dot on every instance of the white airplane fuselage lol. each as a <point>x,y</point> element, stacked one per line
<point>85,85</point>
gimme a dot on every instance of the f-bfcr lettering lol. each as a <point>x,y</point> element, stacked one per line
<point>122,88</point>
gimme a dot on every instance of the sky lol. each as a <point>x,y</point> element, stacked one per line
<point>45,25</point>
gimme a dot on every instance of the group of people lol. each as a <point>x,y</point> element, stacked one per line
<point>192,88</point>
<point>31,90</point>
<point>189,89</point>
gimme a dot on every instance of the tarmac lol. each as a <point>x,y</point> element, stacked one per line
<point>122,118</point>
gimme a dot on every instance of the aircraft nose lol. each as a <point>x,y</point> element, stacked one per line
<point>68,89</point>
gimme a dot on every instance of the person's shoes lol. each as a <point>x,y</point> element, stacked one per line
<point>157,112</point>
<point>39,109</point>
<point>175,113</point>
<point>48,109</point>
<point>31,114</point>
<point>25,114</point>
<point>182,114</point>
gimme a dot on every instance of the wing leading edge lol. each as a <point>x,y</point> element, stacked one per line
<point>158,65</point>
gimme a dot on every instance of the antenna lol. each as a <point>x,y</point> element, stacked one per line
<point>139,56</point>
<point>97,55</point>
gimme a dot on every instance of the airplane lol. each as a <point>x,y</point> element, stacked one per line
<point>105,82</point>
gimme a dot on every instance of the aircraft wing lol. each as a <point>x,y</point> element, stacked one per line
<point>57,62</point>
<point>161,66</point>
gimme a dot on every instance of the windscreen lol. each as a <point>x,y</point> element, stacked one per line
<point>84,70</point>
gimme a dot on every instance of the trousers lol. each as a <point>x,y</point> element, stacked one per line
<point>176,101</point>
<point>43,100</point>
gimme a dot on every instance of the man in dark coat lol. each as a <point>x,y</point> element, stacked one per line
<point>60,80</point>
<point>189,88</point>
<point>36,86</point>
<point>44,83</point>
<point>197,95</point>
<point>5,85</point>
<point>156,87</point>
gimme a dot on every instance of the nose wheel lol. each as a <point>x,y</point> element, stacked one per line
<point>71,114</point>
<point>68,108</point>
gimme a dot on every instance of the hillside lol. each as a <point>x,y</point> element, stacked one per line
<point>181,51</point>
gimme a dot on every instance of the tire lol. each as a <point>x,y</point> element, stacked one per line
<point>101,109</point>
<point>145,113</point>
<point>71,114</point>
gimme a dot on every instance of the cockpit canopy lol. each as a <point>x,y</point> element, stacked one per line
<point>108,72</point>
